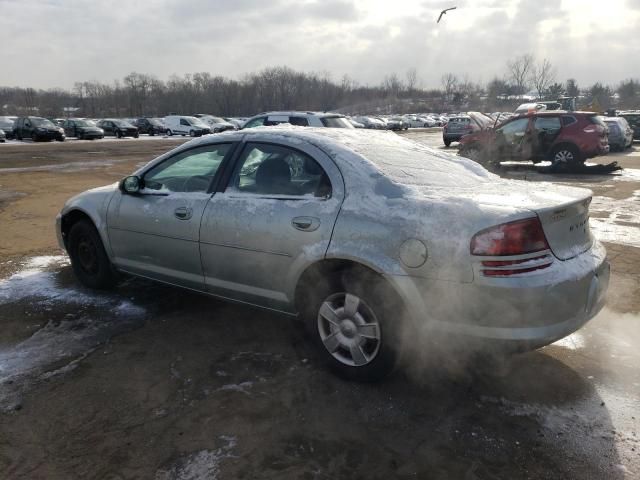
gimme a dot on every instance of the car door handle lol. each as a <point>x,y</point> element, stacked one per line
<point>306,224</point>
<point>183,213</point>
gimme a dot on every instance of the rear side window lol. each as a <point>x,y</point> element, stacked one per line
<point>568,120</point>
<point>277,170</point>
<point>547,123</point>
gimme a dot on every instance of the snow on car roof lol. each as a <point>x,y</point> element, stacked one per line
<point>401,160</point>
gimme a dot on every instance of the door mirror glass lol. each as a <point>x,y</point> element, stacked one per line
<point>131,184</point>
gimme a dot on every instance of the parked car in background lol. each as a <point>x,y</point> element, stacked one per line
<point>633,118</point>
<point>37,129</point>
<point>620,133</point>
<point>397,123</point>
<point>303,224</point>
<point>3,136</point>
<point>558,136</point>
<point>301,119</point>
<point>370,122</point>
<point>118,128</point>
<point>217,124</point>
<point>82,129</point>
<point>186,125</point>
<point>237,122</point>
<point>150,126</point>
<point>464,124</point>
<point>355,123</point>
<point>6,124</point>
<point>416,121</point>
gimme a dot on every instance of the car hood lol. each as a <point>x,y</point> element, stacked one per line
<point>481,136</point>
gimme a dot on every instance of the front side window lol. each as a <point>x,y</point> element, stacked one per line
<point>190,171</point>
<point>568,120</point>
<point>548,124</point>
<point>515,128</point>
<point>278,170</point>
<point>183,122</point>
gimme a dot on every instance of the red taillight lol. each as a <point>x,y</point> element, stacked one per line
<point>513,238</point>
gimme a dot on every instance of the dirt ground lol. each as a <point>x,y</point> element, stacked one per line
<point>150,382</point>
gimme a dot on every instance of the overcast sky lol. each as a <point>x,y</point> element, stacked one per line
<point>53,43</point>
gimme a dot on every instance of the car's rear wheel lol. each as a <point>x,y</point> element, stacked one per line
<point>192,133</point>
<point>34,137</point>
<point>89,260</point>
<point>565,155</point>
<point>447,143</point>
<point>355,324</point>
<point>169,132</point>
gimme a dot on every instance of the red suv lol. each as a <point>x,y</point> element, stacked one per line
<point>562,137</point>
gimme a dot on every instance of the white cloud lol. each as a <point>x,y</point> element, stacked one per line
<point>56,42</point>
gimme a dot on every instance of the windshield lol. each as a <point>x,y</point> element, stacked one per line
<point>41,122</point>
<point>336,122</point>
<point>597,120</point>
<point>156,121</point>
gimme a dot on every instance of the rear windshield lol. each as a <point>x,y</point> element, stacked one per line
<point>460,120</point>
<point>336,122</point>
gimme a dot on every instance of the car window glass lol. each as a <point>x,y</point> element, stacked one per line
<point>277,170</point>
<point>256,122</point>
<point>514,127</point>
<point>568,120</point>
<point>184,122</point>
<point>547,124</point>
<point>190,171</point>
<point>299,121</point>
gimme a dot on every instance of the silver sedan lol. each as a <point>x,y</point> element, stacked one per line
<point>368,237</point>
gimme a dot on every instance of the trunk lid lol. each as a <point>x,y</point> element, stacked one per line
<point>563,211</point>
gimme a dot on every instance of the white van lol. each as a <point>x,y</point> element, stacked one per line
<point>183,125</point>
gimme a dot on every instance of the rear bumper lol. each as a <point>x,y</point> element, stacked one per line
<point>527,312</point>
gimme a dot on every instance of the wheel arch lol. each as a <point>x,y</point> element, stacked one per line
<point>72,217</point>
<point>329,269</point>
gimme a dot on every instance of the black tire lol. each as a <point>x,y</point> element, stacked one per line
<point>89,260</point>
<point>447,143</point>
<point>34,137</point>
<point>169,132</point>
<point>136,135</point>
<point>60,139</point>
<point>192,133</point>
<point>565,155</point>
<point>79,136</point>
<point>119,134</point>
<point>376,305</point>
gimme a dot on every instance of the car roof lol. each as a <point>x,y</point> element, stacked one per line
<point>300,113</point>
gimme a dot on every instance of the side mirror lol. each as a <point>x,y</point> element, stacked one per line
<point>131,184</point>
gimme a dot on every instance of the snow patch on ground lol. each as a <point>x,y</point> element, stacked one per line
<point>622,222</point>
<point>200,465</point>
<point>60,345</point>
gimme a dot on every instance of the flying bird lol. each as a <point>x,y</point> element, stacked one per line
<point>444,12</point>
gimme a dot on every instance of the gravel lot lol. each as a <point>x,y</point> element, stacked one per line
<point>154,382</point>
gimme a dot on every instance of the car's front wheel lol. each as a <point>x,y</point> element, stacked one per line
<point>89,260</point>
<point>355,324</point>
<point>192,133</point>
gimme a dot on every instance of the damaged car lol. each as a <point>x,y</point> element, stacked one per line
<point>566,139</point>
<point>367,237</point>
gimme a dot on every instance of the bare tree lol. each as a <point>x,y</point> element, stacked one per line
<point>412,79</point>
<point>518,71</point>
<point>449,84</point>
<point>543,74</point>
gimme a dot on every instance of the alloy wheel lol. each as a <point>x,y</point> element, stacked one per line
<point>349,329</point>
